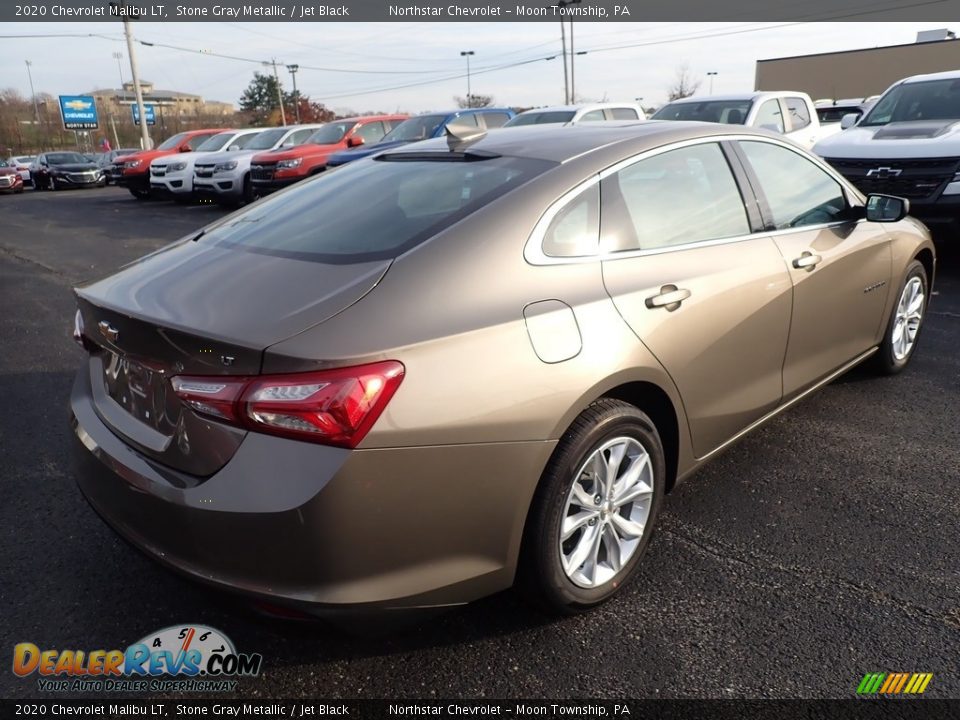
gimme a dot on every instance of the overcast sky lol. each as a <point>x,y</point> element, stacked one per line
<point>395,54</point>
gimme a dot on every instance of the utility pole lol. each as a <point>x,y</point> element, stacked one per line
<point>711,75</point>
<point>276,76</point>
<point>563,41</point>
<point>296,97</point>
<point>33,94</point>
<point>567,84</point>
<point>121,9</point>
<point>466,54</point>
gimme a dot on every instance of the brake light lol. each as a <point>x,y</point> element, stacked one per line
<point>333,407</point>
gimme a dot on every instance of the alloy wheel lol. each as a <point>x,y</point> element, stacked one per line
<point>606,512</point>
<point>909,315</point>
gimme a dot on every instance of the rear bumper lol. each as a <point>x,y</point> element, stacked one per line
<point>319,528</point>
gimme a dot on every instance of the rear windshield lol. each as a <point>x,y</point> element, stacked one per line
<point>732,112</point>
<point>929,100</point>
<point>415,128</point>
<point>173,142</point>
<point>542,118</point>
<point>373,209</point>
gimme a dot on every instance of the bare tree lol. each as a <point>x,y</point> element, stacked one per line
<point>474,101</point>
<point>684,84</point>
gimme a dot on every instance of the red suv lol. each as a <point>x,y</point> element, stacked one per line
<point>273,170</point>
<point>133,171</point>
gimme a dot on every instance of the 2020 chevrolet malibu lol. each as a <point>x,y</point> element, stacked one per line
<point>477,360</point>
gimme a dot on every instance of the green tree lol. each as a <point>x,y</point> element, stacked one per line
<point>259,100</point>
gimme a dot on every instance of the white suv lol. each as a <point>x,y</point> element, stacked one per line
<point>575,114</point>
<point>172,175</point>
<point>225,176</point>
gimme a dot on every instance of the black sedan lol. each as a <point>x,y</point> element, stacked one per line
<point>58,170</point>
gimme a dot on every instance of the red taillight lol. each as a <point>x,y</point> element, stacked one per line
<point>333,407</point>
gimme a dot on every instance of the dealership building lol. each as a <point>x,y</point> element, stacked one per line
<point>860,73</point>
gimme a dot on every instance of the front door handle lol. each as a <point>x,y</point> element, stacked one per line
<point>669,298</point>
<point>807,261</point>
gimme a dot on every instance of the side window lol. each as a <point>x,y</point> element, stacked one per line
<point>495,119</point>
<point>371,132</point>
<point>298,136</point>
<point>620,113</point>
<point>798,113</point>
<point>677,197</point>
<point>575,229</point>
<point>197,140</point>
<point>243,140</point>
<point>798,192</point>
<point>593,115</point>
<point>467,119</point>
<point>769,116</point>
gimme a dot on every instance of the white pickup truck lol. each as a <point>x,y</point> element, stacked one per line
<point>908,145</point>
<point>791,114</point>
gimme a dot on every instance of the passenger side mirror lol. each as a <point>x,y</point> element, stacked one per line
<point>185,148</point>
<point>233,148</point>
<point>886,208</point>
<point>355,141</point>
<point>849,120</point>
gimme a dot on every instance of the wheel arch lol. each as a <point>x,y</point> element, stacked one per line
<point>926,258</point>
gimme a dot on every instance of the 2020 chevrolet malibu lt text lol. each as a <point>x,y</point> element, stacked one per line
<point>474,360</point>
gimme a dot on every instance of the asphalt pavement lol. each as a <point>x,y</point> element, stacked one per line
<point>822,547</point>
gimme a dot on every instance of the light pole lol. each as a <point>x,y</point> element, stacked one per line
<point>33,94</point>
<point>118,56</point>
<point>296,97</point>
<point>467,54</point>
<point>711,75</point>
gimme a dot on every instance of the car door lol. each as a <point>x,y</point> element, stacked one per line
<point>840,266</point>
<point>710,299</point>
<point>494,119</point>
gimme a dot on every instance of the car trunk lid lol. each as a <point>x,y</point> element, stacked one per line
<point>162,317</point>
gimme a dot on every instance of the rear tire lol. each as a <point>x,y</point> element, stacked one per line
<point>905,323</point>
<point>594,511</point>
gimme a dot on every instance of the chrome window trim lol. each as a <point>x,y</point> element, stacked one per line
<point>533,249</point>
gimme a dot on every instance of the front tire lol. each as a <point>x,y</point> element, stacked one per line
<point>51,183</point>
<point>140,194</point>
<point>595,508</point>
<point>906,320</point>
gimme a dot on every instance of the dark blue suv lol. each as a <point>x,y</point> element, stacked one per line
<point>422,127</point>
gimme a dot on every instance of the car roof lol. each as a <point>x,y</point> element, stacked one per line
<point>948,75</point>
<point>735,96</point>
<point>559,143</point>
<point>581,106</point>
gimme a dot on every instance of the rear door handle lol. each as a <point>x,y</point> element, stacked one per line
<point>669,298</point>
<point>807,261</point>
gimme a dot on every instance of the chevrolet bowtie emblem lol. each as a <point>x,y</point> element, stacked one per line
<point>882,173</point>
